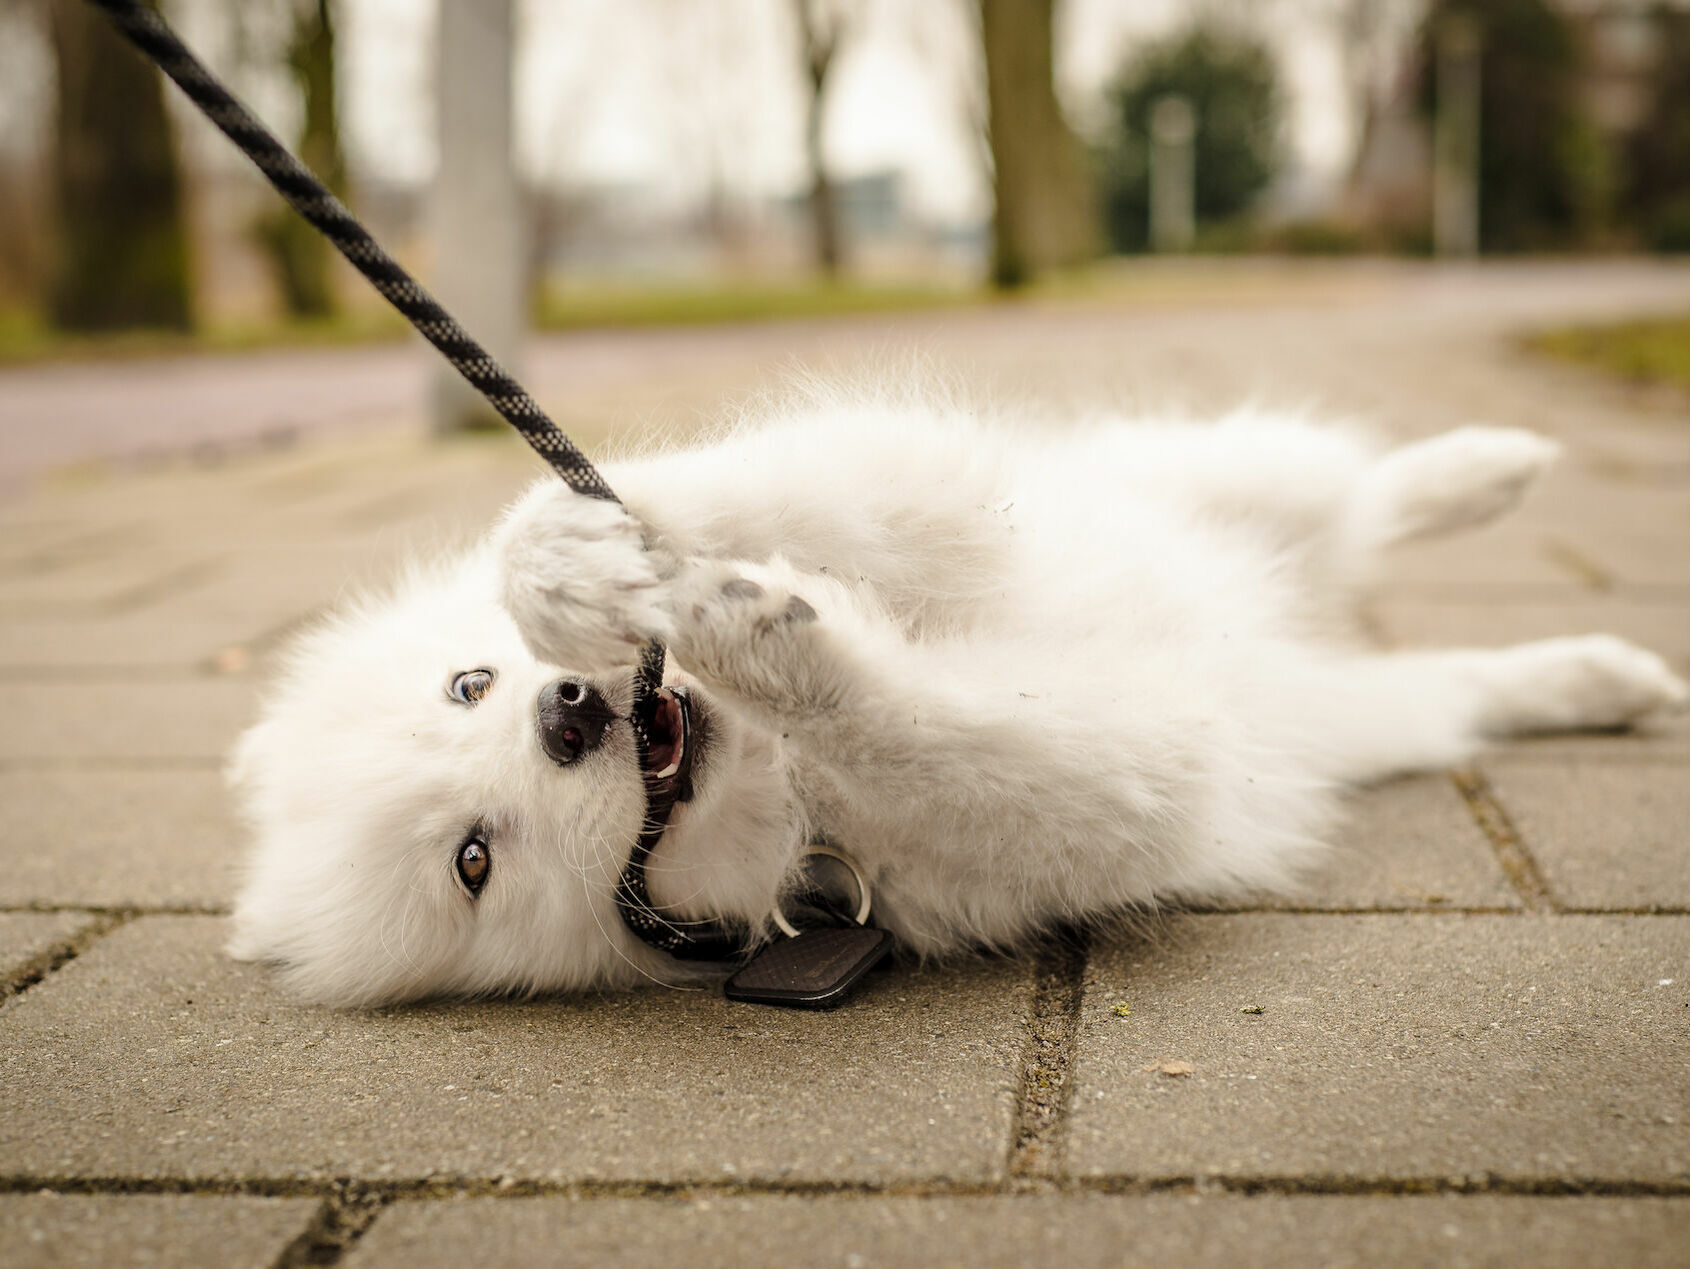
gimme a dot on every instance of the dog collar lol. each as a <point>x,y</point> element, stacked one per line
<point>822,952</point>
<point>706,941</point>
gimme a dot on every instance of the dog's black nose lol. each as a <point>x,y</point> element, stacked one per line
<point>572,718</point>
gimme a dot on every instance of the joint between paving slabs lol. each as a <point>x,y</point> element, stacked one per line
<point>52,675</point>
<point>240,658</point>
<point>55,958</point>
<point>1518,865</point>
<point>344,1217</point>
<point>1587,571</point>
<point>109,763</point>
<point>125,912</point>
<point>350,1207</point>
<point>178,581</point>
<point>1339,1186</point>
<point>181,580</point>
<point>1044,1088</point>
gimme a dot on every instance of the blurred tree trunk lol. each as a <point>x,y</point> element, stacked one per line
<point>299,254</point>
<point>122,256</point>
<point>1046,212</point>
<point>821,37</point>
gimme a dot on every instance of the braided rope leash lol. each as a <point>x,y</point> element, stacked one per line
<point>308,196</point>
<point>144,28</point>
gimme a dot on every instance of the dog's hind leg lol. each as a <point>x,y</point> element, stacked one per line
<point>1458,480</point>
<point>1328,496</point>
<point>1411,711</point>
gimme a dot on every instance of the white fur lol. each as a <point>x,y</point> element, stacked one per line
<point>1051,675</point>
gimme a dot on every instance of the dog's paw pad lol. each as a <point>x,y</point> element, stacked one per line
<point>743,627</point>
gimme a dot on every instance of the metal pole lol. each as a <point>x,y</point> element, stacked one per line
<point>1455,142</point>
<point>1173,174</point>
<point>474,212</point>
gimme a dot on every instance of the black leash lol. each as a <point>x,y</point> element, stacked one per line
<point>142,25</point>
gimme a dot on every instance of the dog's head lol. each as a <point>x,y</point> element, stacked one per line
<point>436,812</point>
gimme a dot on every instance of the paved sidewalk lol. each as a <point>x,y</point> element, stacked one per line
<point>1467,1042</point>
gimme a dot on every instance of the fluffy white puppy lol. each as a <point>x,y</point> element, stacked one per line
<point>1025,677</point>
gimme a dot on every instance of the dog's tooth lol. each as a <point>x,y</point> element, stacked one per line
<point>668,771</point>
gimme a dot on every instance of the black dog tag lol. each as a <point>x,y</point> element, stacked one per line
<point>815,970</point>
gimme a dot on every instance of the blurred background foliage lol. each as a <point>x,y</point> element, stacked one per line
<point>1545,178</point>
<point>1584,119</point>
<point>1656,188</point>
<point>812,156</point>
<point>300,256</point>
<point>1231,82</point>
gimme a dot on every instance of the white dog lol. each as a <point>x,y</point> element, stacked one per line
<point>1024,677</point>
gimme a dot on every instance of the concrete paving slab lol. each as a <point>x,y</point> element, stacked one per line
<point>106,586</point>
<point>1655,451</point>
<point>140,610</point>
<point>161,1058</point>
<point>266,586</point>
<point>1511,554</point>
<point>266,581</point>
<point>1660,624</point>
<point>1552,1048</point>
<point>1608,835</point>
<point>1270,1231</point>
<point>455,500</point>
<point>406,474</point>
<point>114,839</point>
<point>99,523</point>
<point>28,937</point>
<point>1662,739</point>
<point>1632,525</point>
<point>1407,844</point>
<point>1632,451</point>
<point>1646,542</point>
<point>91,722</point>
<point>156,1230</point>
<point>47,532</point>
<point>147,643</point>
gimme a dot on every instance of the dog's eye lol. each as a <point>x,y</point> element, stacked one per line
<point>475,861</point>
<point>470,686</point>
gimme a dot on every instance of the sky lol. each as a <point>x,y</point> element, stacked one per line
<point>680,96</point>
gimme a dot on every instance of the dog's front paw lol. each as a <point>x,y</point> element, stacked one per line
<point>582,588</point>
<point>744,628</point>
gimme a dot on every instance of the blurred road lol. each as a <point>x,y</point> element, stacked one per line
<point>1330,324</point>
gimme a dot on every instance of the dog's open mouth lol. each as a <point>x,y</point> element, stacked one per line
<point>669,755</point>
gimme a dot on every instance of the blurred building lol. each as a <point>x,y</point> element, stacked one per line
<point>632,233</point>
<point>1621,45</point>
<point>1623,41</point>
